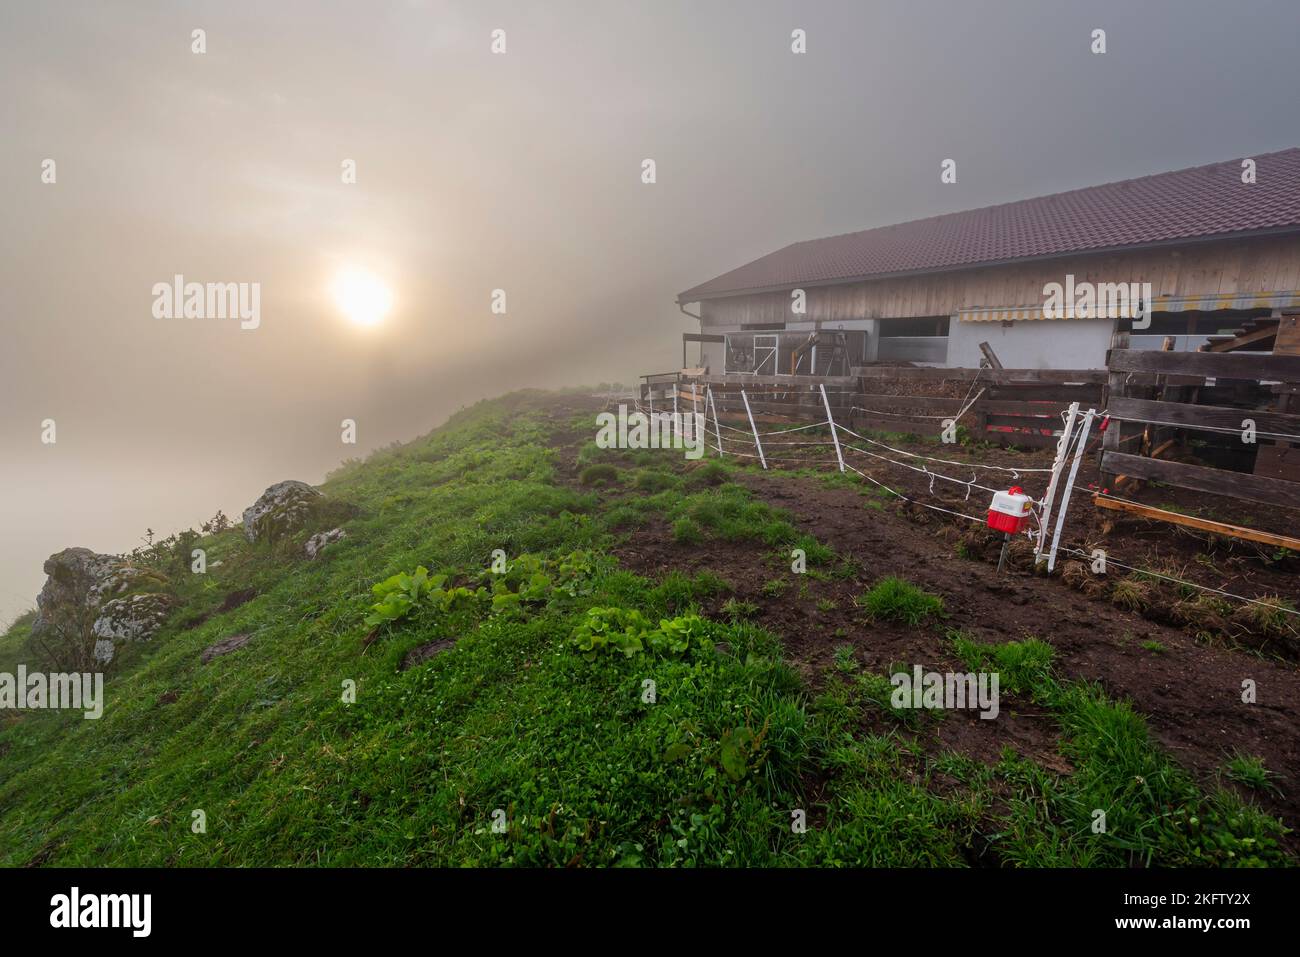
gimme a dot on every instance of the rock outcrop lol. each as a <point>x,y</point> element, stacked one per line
<point>321,539</point>
<point>133,618</point>
<point>89,597</point>
<point>283,508</point>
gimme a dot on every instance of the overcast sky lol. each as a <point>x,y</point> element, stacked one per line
<point>518,171</point>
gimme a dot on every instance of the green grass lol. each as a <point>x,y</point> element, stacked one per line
<point>894,599</point>
<point>601,474</point>
<point>736,610</point>
<point>653,480</point>
<point>1024,667</point>
<point>515,718</point>
<point>1249,770</point>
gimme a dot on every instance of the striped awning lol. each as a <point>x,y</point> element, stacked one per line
<point>1001,314</point>
<point>1205,303</point>
<point>1227,300</point>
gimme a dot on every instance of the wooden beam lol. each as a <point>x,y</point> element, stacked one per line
<point>1240,342</point>
<point>747,380</point>
<point>991,356</point>
<point>1239,485</point>
<point>1226,365</point>
<point>1201,524</point>
<point>996,376</point>
<point>1206,417</point>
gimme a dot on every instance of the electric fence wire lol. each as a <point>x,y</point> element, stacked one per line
<point>1283,436</point>
<point>979,465</point>
<point>1276,606</point>
<point>1071,444</point>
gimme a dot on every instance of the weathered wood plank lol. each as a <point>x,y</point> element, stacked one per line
<point>992,376</point>
<point>897,424</point>
<point>1205,417</point>
<point>746,379</point>
<point>1288,336</point>
<point>1035,424</point>
<point>1227,365</point>
<point>1260,338</point>
<point>1198,478</point>
<point>1064,394</point>
<point>1280,461</point>
<point>1201,524</point>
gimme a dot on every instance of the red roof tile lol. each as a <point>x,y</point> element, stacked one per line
<point>1187,204</point>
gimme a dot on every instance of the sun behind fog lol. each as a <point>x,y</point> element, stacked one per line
<point>362,296</point>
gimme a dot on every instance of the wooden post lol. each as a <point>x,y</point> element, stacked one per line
<point>1282,459</point>
<point>757,444</point>
<point>831,419</point>
<point>1114,388</point>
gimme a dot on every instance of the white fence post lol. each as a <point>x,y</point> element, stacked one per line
<point>717,429</point>
<point>695,411</point>
<point>754,429</point>
<point>1058,464</point>
<point>831,419</point>
<point>1069,486</point>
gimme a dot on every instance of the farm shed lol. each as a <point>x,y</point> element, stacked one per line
<point>1219,253</point>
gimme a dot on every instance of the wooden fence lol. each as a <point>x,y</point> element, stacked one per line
<point>1238,406</point>
<point>1005,406</point>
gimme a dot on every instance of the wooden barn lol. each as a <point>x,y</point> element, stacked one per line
<point>1218,244</point>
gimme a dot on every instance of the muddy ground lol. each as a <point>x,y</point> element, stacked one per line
<point>1182,667</point>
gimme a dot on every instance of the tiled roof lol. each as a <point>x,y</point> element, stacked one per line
<point>1187,204</point>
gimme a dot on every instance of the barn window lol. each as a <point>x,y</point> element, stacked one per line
<point>922,339</point>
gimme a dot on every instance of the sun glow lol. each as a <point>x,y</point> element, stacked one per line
<point>362,296</point>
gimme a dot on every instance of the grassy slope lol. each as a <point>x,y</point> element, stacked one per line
<point>514,718</point>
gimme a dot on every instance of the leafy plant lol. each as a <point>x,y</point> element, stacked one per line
<point>676,636</point>
<point>619,628</point>
<point>400,594</point>
<point>741,750</point>
<point>628,631</point>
